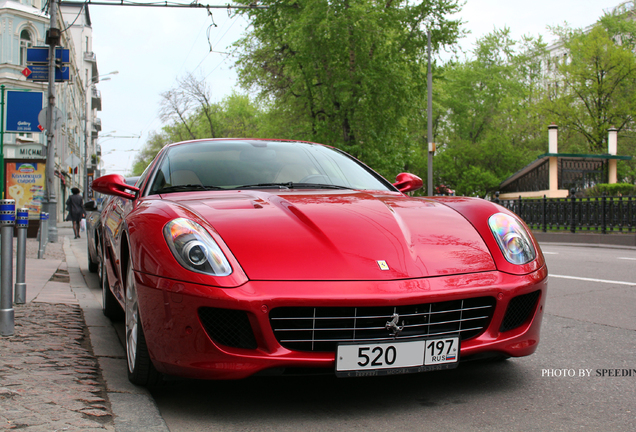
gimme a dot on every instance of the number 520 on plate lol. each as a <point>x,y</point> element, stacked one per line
<point>397,354</point>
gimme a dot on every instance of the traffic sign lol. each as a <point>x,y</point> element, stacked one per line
<point>41,73</point>
<point>41,55</point>
<point>72,161</point>
<point>57,117</point>
<point>22,111</point>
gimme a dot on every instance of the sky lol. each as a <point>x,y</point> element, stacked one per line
<point>151,48</point>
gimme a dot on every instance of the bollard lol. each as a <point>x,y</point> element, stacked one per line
<point>44,234</point>
<point>22,223</point>
<point>7,220</point>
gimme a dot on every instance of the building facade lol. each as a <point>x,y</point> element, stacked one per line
<point>23,25</point>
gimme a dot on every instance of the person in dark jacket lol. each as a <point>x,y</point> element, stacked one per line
<point>75,208</point>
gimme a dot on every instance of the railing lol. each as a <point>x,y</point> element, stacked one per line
<point>601,214</point>
<point>90,56</point>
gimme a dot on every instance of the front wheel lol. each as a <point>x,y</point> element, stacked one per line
<point>93,266</point>
<point>141,371</point>
<point>110,305</point>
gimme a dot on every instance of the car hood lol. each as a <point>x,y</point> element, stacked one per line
<point>342,235</point>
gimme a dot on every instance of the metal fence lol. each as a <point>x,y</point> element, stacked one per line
<point>601,214</point>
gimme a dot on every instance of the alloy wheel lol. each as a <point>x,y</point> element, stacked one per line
<point>132,318</point>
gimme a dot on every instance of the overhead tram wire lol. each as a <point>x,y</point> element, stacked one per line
<point>167,4</point>
<point>193,45</point>
<point>227,55</point>
<point>192,5</point>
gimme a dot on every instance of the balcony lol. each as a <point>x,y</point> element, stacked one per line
<point>90,56</point>
<point>97,124</point>
<point>96,99</point>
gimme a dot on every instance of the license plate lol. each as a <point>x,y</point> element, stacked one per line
<point>396,357</point>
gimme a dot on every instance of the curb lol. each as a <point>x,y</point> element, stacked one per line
<point>587,239</point>
<point>133,407</point>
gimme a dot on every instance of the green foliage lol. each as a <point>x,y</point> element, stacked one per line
<point>352,74</point>
<point>349,73</point>
<point>235,116</point>
<point>491,126</point>
<point>593,88</point>
<point>156,142</point>
<point>614,189</point>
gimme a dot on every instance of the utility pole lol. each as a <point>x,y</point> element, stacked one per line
<point>431,145</point>
<point>50,203</point>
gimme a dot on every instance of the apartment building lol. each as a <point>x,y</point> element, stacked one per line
<point>23,25</point>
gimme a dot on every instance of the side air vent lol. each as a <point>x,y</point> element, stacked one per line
<point>519,310</point>
<point>228,327</point>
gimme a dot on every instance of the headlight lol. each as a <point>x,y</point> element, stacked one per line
<point>194,248</point>
<point>512,238</point>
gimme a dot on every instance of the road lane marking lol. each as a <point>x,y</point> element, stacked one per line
<point>633,259</point>
<point>594,280</point>
<point>550,253</point>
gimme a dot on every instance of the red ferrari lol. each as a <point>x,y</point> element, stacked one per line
<point>234,257</point>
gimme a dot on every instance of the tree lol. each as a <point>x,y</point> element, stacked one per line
<point>594,85</point>
<point>189,104</point>
<point>155,142</point>
<point>490,127</point>
<point>190,114</point>
<point>350,73</point>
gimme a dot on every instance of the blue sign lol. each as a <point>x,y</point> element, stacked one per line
<point>41,55</point>
<point>41,73</point>
<point>22,111</point>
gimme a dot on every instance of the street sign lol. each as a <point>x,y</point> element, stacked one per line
<point>57,118</point>
<point>22,111</point>
<point>41,73</point>
<point>41,55</point>
<point>73,161</point>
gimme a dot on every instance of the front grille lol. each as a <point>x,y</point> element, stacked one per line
<point>322,328</point>
<point>518,311</point>
<point>228,327</point>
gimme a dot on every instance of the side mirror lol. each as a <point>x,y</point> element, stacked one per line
<point>90,206</point>
<point>115,184</point>
<point>406,182</point>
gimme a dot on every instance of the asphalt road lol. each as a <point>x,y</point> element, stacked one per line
<point>570,383</point>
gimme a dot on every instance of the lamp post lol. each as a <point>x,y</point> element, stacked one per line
<point>93,81</point>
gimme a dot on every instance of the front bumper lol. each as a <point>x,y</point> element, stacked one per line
<point>179,344</point>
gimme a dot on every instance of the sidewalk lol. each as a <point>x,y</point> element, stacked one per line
<point>585,238</point>
<point>64,369</point>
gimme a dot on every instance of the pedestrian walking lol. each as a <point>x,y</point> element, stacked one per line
<point>75,208</point>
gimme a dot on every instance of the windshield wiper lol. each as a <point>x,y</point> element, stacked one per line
<point>288,185</point>
<point>319,186</point>
<point>292,185</point>
<point>185,188</point>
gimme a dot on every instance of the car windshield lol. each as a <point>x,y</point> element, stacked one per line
<point>213,165</point>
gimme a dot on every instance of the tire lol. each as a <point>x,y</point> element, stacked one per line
<point>110,306</point>
<point>141,371</point>
<point>93,266</point>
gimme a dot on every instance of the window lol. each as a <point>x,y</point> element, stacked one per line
<point>25,42</point>
<point>25,136</point>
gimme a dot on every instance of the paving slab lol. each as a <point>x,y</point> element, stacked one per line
<point>133,407</point>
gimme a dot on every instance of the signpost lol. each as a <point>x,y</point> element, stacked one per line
<point>41,55</point>
<point>37,69</point>
<point>40,73</point>
<point>57,117</point>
